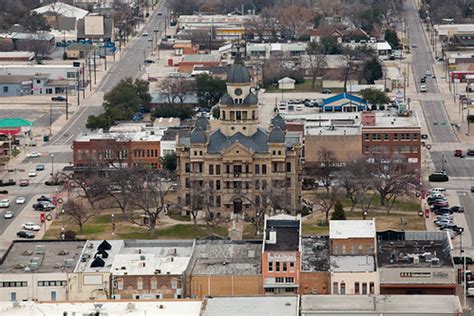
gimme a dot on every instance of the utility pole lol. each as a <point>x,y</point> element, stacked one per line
<point>105,57</point>
<point>83,81</point>
<point>78,75</point>
<point>67,102</point>
<point>50,120</point>
<point>95,69</point>
<point>90,73</point>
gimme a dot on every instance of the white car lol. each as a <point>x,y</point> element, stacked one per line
<point>20,200</point>
<point>4,203</point>
<point>423,88</point>
<point>145,33</point>
<point>31,226</point>
<point>428,73</point>
<point>32,174</point>
<point>34,154</point>
<point>8,215</point>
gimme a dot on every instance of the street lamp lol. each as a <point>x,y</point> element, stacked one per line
<point>63,235</point>
<point>113,224</point>
<point>464,278</point>
<point>52,168</point>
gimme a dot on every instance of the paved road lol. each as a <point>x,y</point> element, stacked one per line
<point>455,166</point>
<point>466,199</point>
<point>434,111</point>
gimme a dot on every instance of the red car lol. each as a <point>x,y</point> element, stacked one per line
<point>441,204</point>
<point>458,153</point>
<point>24,183</point>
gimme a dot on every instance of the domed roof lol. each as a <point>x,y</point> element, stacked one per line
<point>276,135</point>
<point>277,120</point>
<point>238,73</point>
<point>198,136</point>
<point>250,99</point>
<point>202,123</point>
<point>226,99</point>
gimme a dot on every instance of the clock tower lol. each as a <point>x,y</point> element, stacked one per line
<point>239,106</point>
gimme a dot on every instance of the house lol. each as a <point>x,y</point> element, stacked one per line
<point>38,270</point>
<point>61,16</point>
<point>78,50</point>
<point>251,306</point>
<point>187,64</point>
<point>314,276</point>
<point>224,268</point>
<point>281,255</point>
<point>286,84</point>
<point>344,102</point>
<point>358,305</point>
<point>14,86</point>
<point>383,49</point>
<point>416,263</point>
<point>316,35</point>
<point>24,41</point>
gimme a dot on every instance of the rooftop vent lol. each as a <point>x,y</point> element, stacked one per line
<point>40,249</point>
<point>104,246</point>
<point>251,253</point>
<point>63,252</point>
<point>27,253</point>
<point>68,262</point>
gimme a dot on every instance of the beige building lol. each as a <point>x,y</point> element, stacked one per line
<point>239,167</point>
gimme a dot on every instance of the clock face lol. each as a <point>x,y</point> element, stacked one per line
<point>238,91</point>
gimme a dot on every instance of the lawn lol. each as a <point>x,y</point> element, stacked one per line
<point>179,231</point>
<point>312,229</point>
<point>306,86</point>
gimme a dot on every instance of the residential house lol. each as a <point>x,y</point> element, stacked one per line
<point>416,263</point>
<point>281,255</point>
<point>38,270</point>
<point>316,35</point>
<point>224,268</point>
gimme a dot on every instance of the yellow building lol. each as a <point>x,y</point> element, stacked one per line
<point>239,167</point>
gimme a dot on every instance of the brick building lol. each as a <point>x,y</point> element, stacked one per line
<point>127,149</point>
<point>281,256</point>
<point>188,62</point>
<point>314,276</point>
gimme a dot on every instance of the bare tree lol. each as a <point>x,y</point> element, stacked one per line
<point>78,212</point>
<point>316,61</point>
<point>326,167</point>
<point>296,20</point>
<point>327,201</point>
<point>151,197</point>
<point>177,89</point>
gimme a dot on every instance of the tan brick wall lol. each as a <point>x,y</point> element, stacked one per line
<point>314,283</point>
<point>352,241</point>
<point>164,285</point>
<point>344,147</point>
<point>224,285</point>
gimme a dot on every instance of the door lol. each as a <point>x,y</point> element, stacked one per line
<point>237,206</point>
<point>53,296</point>
<point>13,296</point>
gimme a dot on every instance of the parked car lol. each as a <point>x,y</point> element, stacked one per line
<point>20,200</point>
<point>145,33</point>
<point>445,216</point>
<point>434,191</point>
<point>39,167</point>
<point>58,98</point>
<point>33,154</point>
<point>442,210</point>
<point>428,73</point>
<point>438,177</point>
<point>326,91</point>
<point>472,189</point>
<point>25,234</point>
<point>423,88</point>
<point>457,209</point>
<point>31,226</point>
<point>422,79</point>
<point>4,203</point>
<point>443,222</point>
<point>458,153</point>
<point>470,152</point>
<point>24,182</point>
<point>32,174</point>
<point>45,198</point>
<point>41,206</point>
<point>149,61</point>
<point>8,215</point>
<point>441,203</point>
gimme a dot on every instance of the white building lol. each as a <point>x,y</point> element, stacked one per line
<point>38,270</point>
<point>354,275</point>
<point>286,83</point>
<point>58,72</point>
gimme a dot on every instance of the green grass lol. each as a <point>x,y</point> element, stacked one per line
<point>314,229</point>
<point>179,217</point>
<point>103,219</point>
<point>174,232</point>
<point>93,229</point>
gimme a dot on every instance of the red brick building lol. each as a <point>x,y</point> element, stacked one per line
<point>392,136</point>
<point>127,149</point>
<point>188,62</point>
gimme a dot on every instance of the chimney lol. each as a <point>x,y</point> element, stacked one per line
<point>368,119</point>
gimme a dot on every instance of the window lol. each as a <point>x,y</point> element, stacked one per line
<point>335,288</point>
<point>415,136</point>
<point>277,266</point>
<point>289,290</point>
<point>414,149</point>
<point>187,167</point>
<point>404,149</point>
<point>292,266</point>
<point>70,74</point>
<point>218,185</point>
<point>187,199</point>
<point>336,249</point>
<point>218,201</point>
<point>237,169</point>
<point>385,136</point>
<point>361,249</point>
<point>364,288</point>
<point>356,288</point>
<point>279,280</point>
<point>139,284</point>
<point>352,249</point>
<point>257,200</point>
<point>154,284</point>
<point>53,296</point>
<point>174,284</point>
<point>264,184</point>
<point>368,250</point>
<point>285,266</point>
<point>48,283</point>
<point>395,136</point>
<point>264,169</point>
<point>288,167</point>
<point>343,288</point>
<point>187,183</point>
<point>343,249</point>
<point>269,290</point>
<point>270,266</point>
<point>238,115</point>
<point>218,169</point>
<point>366,148</point>
<point>257,169</point>
<point>366,136</point>
<point>211,185</point>
<point>5,89</point>
<point>376,137</point>
<point>405,136</point>
<point>227,168</point>
<point>290,280</point>
<point>247,169</point>
<point>14,284</point>
<point>371,288</point>
<point>120,284</point>
<point>211,169</point>
<point>257,184</point>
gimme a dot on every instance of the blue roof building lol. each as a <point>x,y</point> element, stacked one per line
<point>344,102</point>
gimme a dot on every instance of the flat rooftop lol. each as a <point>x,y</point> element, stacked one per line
<point>315,253</point>
<point>251,306</point>
<point>287,229</point>
<point>109,308</point>
<point>376,305</point>
<point>226,257</point>
<point>397,249</point>
<point>42,256</point>
<point>352,229</point>
<point>201,58</point>
<point>352,264</point>
<point>93,258</point>
<point>148,257</point>
<point>150,136</point>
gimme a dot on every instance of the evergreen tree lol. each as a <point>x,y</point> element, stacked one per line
<point>339,213</point>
